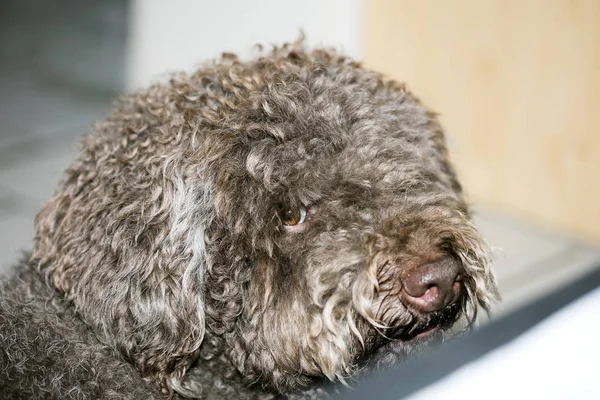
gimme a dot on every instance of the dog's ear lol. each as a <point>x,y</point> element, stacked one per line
<point>127,248</point>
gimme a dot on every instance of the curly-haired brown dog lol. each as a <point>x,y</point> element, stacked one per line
<point>240,232</point>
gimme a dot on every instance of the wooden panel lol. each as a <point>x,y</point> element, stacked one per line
<point>517,84</point>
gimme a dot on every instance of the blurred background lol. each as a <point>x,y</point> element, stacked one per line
<point>516,83</point>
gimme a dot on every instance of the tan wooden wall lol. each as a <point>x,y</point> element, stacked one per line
<point>517,83</point>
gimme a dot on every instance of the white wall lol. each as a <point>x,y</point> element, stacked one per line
<point>170,35</point>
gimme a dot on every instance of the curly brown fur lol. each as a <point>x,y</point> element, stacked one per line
<point>167,236</point>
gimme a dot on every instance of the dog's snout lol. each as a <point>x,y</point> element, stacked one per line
<point>433,285</point>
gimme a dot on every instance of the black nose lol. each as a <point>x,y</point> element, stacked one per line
<point>433,285</point>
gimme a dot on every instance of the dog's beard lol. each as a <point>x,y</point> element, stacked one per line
<point>407,333</point>
<point>396,351</point>
<point>377,326</point>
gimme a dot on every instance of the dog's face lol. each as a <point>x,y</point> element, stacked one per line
<point>355,235</point>
<point>297,214</point>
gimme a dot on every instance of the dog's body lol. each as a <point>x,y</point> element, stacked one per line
<point>241,233</point>
<point>49,353</point>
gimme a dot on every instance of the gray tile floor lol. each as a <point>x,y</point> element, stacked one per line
<point>39,130</point>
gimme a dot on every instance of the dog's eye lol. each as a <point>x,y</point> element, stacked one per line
<point>294,217</point>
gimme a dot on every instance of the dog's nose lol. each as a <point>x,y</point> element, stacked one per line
<point>433,285</point>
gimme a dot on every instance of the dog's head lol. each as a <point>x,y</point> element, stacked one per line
<point>296,214</point>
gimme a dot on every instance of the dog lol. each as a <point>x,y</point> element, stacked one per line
<point>245,231</point>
